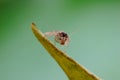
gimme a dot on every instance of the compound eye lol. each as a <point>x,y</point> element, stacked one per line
<point>63,34</point>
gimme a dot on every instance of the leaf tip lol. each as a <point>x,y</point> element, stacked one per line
<point>33,24</point>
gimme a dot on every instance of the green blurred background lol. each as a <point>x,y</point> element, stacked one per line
<point>93,26</point>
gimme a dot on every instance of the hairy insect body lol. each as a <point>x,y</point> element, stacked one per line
<point>60,37</point>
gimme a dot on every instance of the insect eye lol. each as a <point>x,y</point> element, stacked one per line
<point>63,34</point>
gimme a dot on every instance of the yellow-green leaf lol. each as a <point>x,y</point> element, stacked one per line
<point>73,70</point>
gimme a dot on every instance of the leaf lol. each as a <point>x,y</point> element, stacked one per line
<point>73,70</point>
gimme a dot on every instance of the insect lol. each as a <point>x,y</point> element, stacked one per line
<point>59,36</point>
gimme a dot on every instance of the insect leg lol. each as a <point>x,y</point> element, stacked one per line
<point>48,34</point>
